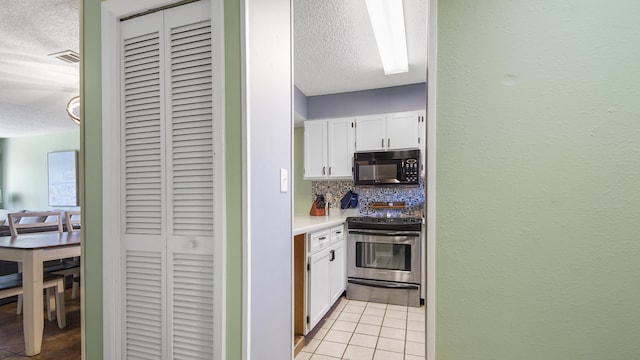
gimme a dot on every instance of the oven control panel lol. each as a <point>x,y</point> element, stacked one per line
<point>397,223</point>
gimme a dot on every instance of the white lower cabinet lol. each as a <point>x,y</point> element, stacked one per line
<point>336,271</point>
<point>319,287</point>
<point>326,270</point>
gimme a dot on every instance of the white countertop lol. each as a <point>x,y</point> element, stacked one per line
<point>307,223</point>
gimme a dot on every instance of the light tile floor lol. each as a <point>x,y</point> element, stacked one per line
<point>359,330</point>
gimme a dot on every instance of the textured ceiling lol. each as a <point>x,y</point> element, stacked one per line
<point>34,87</point>
<point>335,49</point>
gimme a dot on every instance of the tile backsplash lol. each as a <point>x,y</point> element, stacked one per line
<point>337,189</point>
<point>412,195</point>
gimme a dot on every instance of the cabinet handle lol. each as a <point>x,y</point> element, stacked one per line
<point>329,170</point>
<point>324,170</point>
<point>338,232</point>
<point>322,238</point>
<point>333,255</point>
<point>382,145</point>
<point>388,142</point>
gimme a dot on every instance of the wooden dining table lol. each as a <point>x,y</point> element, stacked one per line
<point>32,250</point>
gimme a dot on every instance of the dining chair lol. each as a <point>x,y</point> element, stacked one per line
<point>72,268</point>
<point>73,220</point>
<point>11,285</point>
<point>35,221</point>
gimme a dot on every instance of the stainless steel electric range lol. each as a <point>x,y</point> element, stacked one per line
<point>383,260</point>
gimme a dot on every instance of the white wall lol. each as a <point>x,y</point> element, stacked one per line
<point>268,131</point>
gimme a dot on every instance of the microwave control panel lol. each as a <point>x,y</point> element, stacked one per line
<point>411,170</point>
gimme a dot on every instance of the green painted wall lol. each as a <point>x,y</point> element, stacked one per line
<point>233,176</point>
<point>301,188</point>
<point>538,158</point>
<point>24,179</point>
<point>91,160</point>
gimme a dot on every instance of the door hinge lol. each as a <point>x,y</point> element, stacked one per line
<point>308,267</point>
<point>308,320</point>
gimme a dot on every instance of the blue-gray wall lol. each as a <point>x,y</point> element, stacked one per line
<point>368,102</point>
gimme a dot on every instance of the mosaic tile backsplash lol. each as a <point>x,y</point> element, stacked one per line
<point>413,196</point>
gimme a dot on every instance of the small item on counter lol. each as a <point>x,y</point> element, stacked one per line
<point>317,208</point>
<point>354,200</point>
<point>345,202</point>
<point>329,199</point>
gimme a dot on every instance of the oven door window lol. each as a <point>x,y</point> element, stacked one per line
<point>383,256</point>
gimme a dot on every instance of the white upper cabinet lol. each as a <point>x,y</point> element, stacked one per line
<point>402,130</point>
<point>315,149</point>
<point>341,147</point>
<point>370,132</point>
<point>388,131</point>
<point>328,148</point>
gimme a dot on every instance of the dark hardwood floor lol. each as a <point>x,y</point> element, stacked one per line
<point>56,344</point>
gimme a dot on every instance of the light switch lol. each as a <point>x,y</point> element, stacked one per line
<point>284,180</point>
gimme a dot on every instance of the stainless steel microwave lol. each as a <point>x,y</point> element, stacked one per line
<point>400,167</point>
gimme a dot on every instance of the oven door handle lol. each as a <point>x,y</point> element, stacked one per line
<point>384,285</point>
<point>385,233</point>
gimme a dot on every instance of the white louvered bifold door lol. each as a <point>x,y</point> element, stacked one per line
<point>168,184</point>
<point>190,179</point>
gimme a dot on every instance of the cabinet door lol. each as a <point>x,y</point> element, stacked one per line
<point>315,149</point>
<point>370,133</point>
<point>402,130</point>
<point>319,287</point>
<point>422,140</point>
<point>341,147</point>
<point>337,270</point>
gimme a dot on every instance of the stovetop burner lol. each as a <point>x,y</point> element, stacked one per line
<point>400,223</point>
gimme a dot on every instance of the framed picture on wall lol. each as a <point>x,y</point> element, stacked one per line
<point>62,168</point>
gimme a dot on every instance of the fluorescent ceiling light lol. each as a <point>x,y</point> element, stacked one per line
<point>387,20</point>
